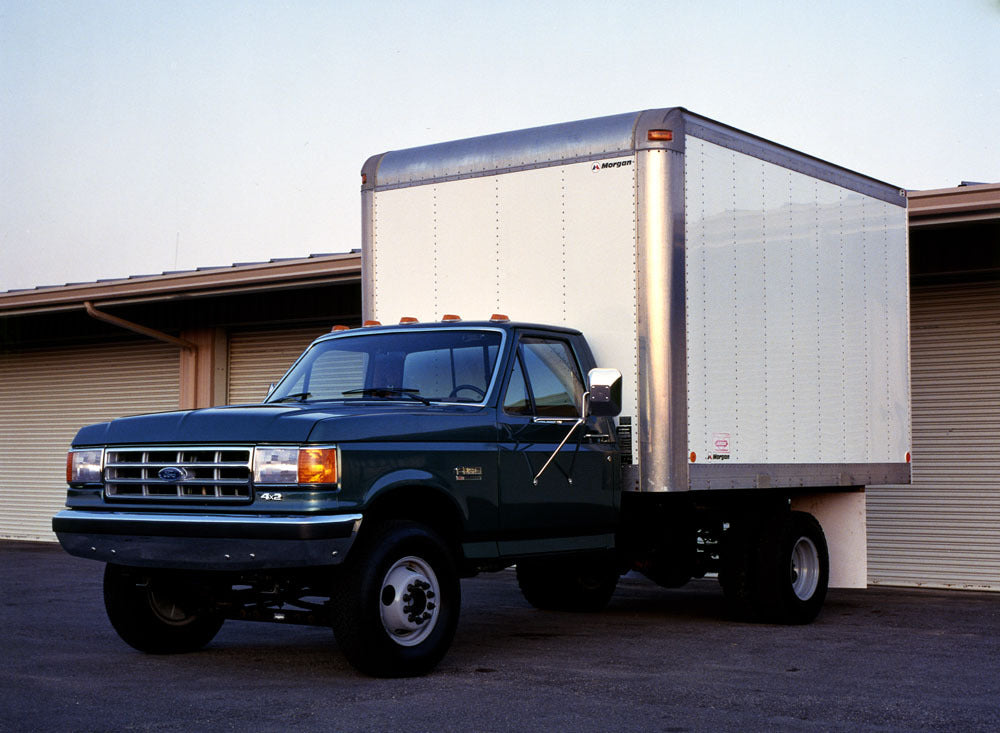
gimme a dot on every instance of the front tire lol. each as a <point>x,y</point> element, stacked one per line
<point>158,613</point>
<point>397,601</point>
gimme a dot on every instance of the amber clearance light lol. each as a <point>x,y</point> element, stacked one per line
<point>317,465</point>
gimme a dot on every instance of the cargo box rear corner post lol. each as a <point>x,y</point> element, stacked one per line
<point>686,353</point>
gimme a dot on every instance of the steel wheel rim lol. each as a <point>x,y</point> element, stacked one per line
<point>168,610</point>
<point>409,601</point>
<point>804,569</point>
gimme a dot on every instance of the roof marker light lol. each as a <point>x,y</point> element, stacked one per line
<point>372,323</point>
<point>408,319</point>
<point>450,317</point>
<point>499,318</point>
<point>339,327</point>
<point>660,135</point>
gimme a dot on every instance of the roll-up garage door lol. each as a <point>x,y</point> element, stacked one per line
<point>257,359</point>
<point>943,531</point>
<point>46,396</point>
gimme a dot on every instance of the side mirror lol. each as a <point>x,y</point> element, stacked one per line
<point>605,387</point>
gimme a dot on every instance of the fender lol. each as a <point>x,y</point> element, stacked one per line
<point>425,496</point>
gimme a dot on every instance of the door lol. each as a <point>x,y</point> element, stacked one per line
<point>571,505</point>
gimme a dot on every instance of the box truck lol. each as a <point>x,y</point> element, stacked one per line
<point>647,342</point>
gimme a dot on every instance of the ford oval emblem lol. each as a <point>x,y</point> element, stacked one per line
<point>172,474</point>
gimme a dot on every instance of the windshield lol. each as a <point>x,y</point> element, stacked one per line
<point>451,365</point>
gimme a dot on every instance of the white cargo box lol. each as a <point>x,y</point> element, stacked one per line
<point>754,298</point>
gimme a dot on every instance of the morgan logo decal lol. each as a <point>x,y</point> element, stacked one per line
<point>611,164</point>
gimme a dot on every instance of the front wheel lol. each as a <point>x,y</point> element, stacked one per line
<point>159,613</point>
<point>397,601</point>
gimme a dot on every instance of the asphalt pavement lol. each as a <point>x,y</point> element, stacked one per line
<point>657,660</point>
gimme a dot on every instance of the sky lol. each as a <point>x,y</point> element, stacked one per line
<point>138,137</point>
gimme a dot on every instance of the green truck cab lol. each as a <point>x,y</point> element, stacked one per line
<point>389,462</point>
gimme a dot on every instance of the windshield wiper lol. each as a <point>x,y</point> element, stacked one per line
<point>300,396</point>
<point>413,394</point>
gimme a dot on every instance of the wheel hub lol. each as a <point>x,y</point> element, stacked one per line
<point>804,569</point>
<point>409,601</point>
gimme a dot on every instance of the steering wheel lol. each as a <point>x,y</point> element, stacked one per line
<point>459,388</point>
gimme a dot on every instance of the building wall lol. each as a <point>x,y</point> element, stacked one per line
<point>46,395</point>
<point>943,530</point>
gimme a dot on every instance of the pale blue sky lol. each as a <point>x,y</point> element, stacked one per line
<point>138,137</point>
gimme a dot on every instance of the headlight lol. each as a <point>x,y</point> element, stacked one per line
<point>284,465</point>
<point>84,466</point>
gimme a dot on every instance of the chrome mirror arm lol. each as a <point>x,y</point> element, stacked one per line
<point>579,421</point>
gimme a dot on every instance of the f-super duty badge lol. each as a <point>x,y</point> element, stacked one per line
<point>468,473</point>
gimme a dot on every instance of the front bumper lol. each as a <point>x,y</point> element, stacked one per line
<point>206,541</point>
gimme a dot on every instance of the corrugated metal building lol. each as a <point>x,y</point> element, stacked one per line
<point>84,353</point>
<point>943,530</point>
<point>222,335</point>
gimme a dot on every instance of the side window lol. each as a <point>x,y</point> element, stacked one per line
<point>516,402</point>
<point>554,386</point>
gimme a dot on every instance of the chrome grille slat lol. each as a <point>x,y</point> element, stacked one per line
<point>215,473</point>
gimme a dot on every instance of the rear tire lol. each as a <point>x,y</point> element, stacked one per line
<point>576,584</point>
<point>158,613</point>
<point>775,569</point>
<point>397,601</point>
<point>793,569</point>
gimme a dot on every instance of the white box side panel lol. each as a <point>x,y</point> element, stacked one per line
<point>600,271</point>
<point>796,316</point>
<point>403,255</point>
<point>465,251</point>
<point>531,266</point>
<point>549,245</point>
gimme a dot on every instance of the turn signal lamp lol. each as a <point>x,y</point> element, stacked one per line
<point>660,135</point>
<point>450,318</point>
<point>317,465</point>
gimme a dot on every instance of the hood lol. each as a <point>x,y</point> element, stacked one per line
<point>288,424</point>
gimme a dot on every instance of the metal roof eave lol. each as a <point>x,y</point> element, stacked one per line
<point>980,202</point>
<point>255,277</point>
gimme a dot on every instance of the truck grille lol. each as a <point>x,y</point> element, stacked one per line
<point>178,474</point>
